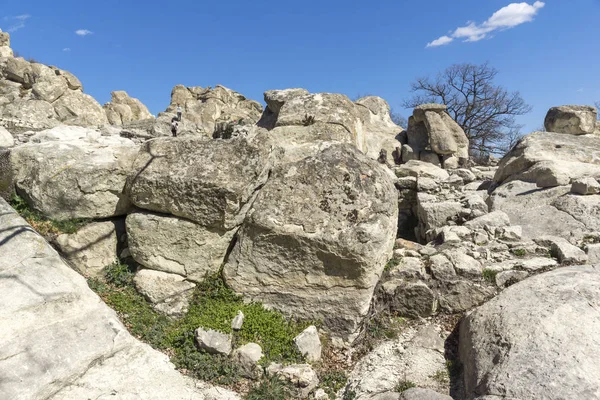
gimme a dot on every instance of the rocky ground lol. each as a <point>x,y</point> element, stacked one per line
<point>312,249</point>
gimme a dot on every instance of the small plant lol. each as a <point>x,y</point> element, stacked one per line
<point>271,388</point>
<point>391,264</point>
<point>442,376</point>
<point>308,120</point>
<point>520,252</point>
<point>349,394</point>
<point>332,382</point>
<point>403,386</point>
<point>489,275</point>
<point>119,274</point>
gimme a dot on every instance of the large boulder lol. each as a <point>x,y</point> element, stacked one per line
<point>211,182</point>
<point>176,245</point>
<point>534,340</point>
<point>204,109</point>
<point>77,108</point>
<point>317,237</point>
<point>365,123</point>
<point>573,120</point>
<point>432,132</point>
<point>75,177</point>
<point>122,109</point>
<point>60,341</point>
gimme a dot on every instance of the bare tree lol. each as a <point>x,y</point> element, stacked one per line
<point>597,104</point>
<point>485,111</point>
<point>398,118</point>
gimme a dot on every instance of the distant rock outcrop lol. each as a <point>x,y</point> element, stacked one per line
<point>206,110</point>
<point>433,136</point>
<point>573,120</point>
<point>123,109</point>
<point>35,96</point>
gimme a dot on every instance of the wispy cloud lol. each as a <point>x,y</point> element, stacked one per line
<point>67,49</point>
<point>580,90</point>
<point>83,32</point>
<point>16,22</point>
<point>505,18</point>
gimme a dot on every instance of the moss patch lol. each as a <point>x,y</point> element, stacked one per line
<point>213,306</point>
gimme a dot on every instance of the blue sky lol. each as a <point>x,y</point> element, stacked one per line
<point>551,54</point>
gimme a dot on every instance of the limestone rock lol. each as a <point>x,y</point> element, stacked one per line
<point>168,293</point>
<point>317,238</point>
<point>122,109</point>
<point>80,178</point>
<point>463,295</point>
<point>573,120</point>
<point>77,108</point>
<point>81,350</point>
<point>542,358</point>
<point>238,321</point>
<point>422,394</point>
<point>176,245</point>
<point>416,356</point>
<point>211,182</point>
<point>302,376</point>
<point>506,278</point>
<point>420,168</point>
<point>585,186</point>
<point>564,251</point>
<point>409,299</point>
<point>495,219</point>
<point>91,248</point>
<point>213,342</point>
<point>247,357</point>
<point>6,139</point>
<point>309,344</point>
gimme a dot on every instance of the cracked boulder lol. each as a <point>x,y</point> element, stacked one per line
<point>81,175</point>
<point>316,239</point>
<point>551,356</point>
<point>210,182</point>
<point>176,245</point>
<point>573,120</point>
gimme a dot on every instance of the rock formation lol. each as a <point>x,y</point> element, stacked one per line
<point>433,136</point>
<point>123,109</point>
<point>573,120</point>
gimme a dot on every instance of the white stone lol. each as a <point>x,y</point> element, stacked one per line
<point>309,344</point>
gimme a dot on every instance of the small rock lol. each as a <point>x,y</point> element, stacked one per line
<point>511,233</point>
<point>422,394</point>
<point>213,342</point>
<point>537,263</point>
<point>247,357</point>
<point>509,277</point>
<point>593,253</point>
<point>309,344</point>
<point>466,175</point>
<point>168,293</point>
<point>238,320</point>
<point>441,268</point>
<point>425,184</point>
<point>320,394</point>
<point>585,186</point>
<point>464,264</point>
<point>411,299</point>
<point>494,219</point>
<point>564,251</point>
<point>300,375</point>
<point>407,182</point>
<point>450,237</point>
<point>454,181</point>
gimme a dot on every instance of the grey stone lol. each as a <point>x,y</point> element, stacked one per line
<point>247,357</point>
<point>411,299</point>
<point>585,186</point>
<point>593,253</point>
<point>213,342</point>
<point>316,239</point>
<point>420,168</point>
<point>465,174</point>
<point>422,394</point>
<point>309,344</point>
<point>6,139</point>
<point>238,321</point>
<point>509,277</point>
<point>168,293</point>
<point>441,268</point>
<point>302,376</point>
<point>91,248</point>
<point>560,309</point>
<point>495,219</point>
<point>537,263</point>
<point>38,360</point>
<point>464,295</point>
<point>565,252</point>
<point>574,120</point>
<point>464,264</point>
<point>122,109</point>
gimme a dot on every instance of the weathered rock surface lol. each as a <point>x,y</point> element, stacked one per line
<point>75,178</point>
<point>247,357</point>
<point>211,182</point>
<point>176,245</point>
<point>301,376</point>
<point>552,355</point>
<point>422,394</point>
<point>573,120</point>
<point>204,109</point>
<point>52,359</point>
<point>317,237</point>
<point>585,186</point>
<point>213,342</point>
<point>309,344</point>
<point>417,356</point>
<point>92,247</point>
<point>122,109</point>
<point>6,139</point>
<point>168,293</point>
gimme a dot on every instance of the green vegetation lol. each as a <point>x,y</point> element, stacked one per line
<point>271,388</point>
<point>308,120</point>
<point>43,225</point>
<point>332,381</point>
<point>489,275</point>
<point>382,326</point>
<point>404,385</point>
<point>391,264</point>
<point>441,376</point>
<point>519,252</point>
<point>349,394</point>
<point>213,306</point>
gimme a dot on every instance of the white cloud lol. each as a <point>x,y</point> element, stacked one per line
<point>17,22</point>
<point>83,32</point>
<point>505,18</point>
<point>67,49</point>
<point>440,41</point>
<point>580,90</point>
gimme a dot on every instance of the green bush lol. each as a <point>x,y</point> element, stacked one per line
<point>332,381</point>
<point>519,252</point>
<point>119,274</point>
<point>403,386</point>
<point>271,388</point>
<point>489,275</point>
<point>391,264</point>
